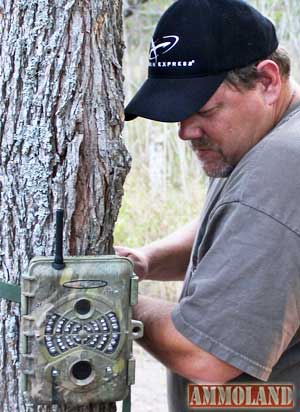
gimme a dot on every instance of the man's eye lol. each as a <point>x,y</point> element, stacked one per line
<point>207,113</point>
<point>210,112</point>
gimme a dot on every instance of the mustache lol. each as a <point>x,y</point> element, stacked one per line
<point>203,143</point>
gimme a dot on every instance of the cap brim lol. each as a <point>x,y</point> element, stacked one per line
<point>172,100</point>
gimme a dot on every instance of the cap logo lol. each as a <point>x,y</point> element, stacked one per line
<point>162,46</point>
<point>159,47</point>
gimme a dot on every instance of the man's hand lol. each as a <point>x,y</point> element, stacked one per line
<point>165,259</point>
<point>138,257</point>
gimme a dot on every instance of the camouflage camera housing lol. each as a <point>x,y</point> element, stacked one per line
<point>77,331</point>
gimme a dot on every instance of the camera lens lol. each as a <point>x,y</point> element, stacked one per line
<point>81,370</point>
<point>82,306</point>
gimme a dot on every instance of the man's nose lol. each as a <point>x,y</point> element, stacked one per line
<point>189,130</point>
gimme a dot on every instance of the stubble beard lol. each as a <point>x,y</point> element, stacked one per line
<point>219,167</point>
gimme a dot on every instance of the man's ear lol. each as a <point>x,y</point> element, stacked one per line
<point>270,80</point>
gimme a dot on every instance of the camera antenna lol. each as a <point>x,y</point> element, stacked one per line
<point>58,262</point>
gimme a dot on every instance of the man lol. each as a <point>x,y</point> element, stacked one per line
<point>215,67</point>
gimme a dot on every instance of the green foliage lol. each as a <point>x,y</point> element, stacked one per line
<point>144,218</point>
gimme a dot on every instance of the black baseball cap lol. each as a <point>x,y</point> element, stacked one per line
<point>195,44</point>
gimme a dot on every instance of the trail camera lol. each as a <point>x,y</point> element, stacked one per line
<point>76,330</point>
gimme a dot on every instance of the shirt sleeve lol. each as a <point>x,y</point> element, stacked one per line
<point>242,301</point>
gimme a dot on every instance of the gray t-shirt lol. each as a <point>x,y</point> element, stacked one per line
<point>241,296</point>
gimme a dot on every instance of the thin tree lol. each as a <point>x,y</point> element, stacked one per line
<point>61,116</point>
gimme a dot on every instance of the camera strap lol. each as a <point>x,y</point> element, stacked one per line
<point>10,292</point>
<point>127,403</point>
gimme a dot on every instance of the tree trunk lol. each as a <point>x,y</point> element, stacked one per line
<point>61,116</point>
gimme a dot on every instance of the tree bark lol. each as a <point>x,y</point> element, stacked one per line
<point>61,116</point>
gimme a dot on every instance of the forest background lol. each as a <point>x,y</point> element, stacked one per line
<point>166,187</point>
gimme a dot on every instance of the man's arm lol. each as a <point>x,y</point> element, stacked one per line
<point>165,259</point>
<point>172,349</point>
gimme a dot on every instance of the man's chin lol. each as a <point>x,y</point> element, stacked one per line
<point>223,170</point>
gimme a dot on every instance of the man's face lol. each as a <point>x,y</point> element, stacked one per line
<point>226,128</point>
